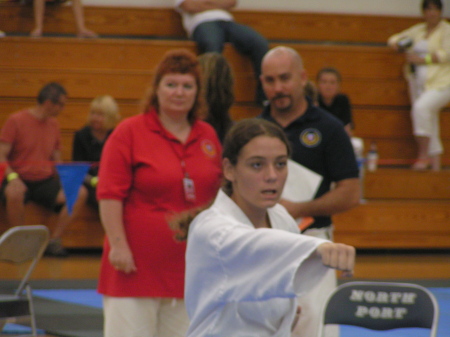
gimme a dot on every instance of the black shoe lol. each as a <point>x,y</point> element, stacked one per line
<point>56,249</point>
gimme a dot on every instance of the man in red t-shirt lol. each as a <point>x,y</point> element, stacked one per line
<point>30,146</point>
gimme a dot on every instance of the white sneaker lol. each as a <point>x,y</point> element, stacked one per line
<point>2,33</point>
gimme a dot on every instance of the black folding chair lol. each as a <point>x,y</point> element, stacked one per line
<point>381,306</point>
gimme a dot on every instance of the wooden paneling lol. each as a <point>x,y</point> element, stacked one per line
<point>74,114</point>
<point>166,22</point>
<point>324,26</point>
<point>381,122</point>
<point>84,84</point>
<point>239,112</point>
<point>379,216</point>
<point>84,232</point>
<point>402,184</point>
<point>353,61</point>
<point>131,84</point>
<point>387,265</point>
<point>394,151</point>
<point>393,216</point>
<point>391,151</point>
<point>368,62</point>
<point>104,20</point>
<point>123,67</point>
<point>94,54</point>
<point>395,146</point>
<point>373,225</point>
<point>391,224</point>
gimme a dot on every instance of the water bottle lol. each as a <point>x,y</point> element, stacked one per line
<point>372,158</point>
<point>358,147</point>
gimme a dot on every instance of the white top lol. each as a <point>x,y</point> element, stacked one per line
<point>191,21</point>
<point>243,281</point>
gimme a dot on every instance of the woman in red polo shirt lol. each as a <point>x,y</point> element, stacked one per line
<point>153,166</point>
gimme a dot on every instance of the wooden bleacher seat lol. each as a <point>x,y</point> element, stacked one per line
<point>166,23</point>
<point>122,63</point>
<point>124,67</point>
<point>401,209</point>
<point>85,232</point>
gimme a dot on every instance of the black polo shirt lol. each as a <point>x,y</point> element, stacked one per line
<point>340,108</point>
<point>320,143</point>
<point>87,148</point>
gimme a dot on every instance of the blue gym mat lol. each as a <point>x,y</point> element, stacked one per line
<point>90,298</point>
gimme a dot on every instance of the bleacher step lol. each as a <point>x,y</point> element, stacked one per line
<point>396,183</point>
<point>395,224</point>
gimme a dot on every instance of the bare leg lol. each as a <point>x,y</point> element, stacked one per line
<point>55,247</point>
<point>15,208</point>
<point>65,218</point>
<point>39,9</point>
<point>82,31</point>
<point>436,162</point>
<point>423,161</point>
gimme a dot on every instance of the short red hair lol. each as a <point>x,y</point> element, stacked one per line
<point>178,61</point>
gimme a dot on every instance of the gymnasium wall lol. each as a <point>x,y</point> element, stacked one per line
<point>377,7</point>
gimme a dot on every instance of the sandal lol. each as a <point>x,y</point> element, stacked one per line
<point>421,164</point>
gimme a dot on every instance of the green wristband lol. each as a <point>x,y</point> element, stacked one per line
<point>94,181</point>
<point>12,176</point>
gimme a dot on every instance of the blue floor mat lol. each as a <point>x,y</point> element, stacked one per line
<point>87,297</point>
<point>16,329</point>
<point>90,297</point>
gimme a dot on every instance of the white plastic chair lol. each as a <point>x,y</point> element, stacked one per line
<point>21,245</point>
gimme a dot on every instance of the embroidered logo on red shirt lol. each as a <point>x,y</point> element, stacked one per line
<point>209,148</point>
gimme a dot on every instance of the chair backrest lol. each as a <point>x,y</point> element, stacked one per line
<point>381,306</point>
<point>22,244</point>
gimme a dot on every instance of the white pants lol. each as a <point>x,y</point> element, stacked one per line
<point>425,115</point>
<point>311,304</point>
<point>144,317</point>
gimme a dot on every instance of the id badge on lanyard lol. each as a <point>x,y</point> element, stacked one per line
<point>188,184</point>
<point>189,189</point>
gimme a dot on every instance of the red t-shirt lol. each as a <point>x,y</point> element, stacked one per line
<point>141,167</point>
<point>33,143</point>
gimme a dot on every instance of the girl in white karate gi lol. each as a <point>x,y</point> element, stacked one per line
<point>245,261</point>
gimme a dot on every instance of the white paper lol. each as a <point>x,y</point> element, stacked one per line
<point>301,183</point>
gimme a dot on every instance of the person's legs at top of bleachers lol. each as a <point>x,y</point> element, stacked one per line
<point>249,42</point>
<point>39,10</point>
<point>209,36</point>
<point>78,13</point>
<point>425,118</point>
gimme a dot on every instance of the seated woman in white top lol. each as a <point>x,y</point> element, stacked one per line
<point>245,261</point>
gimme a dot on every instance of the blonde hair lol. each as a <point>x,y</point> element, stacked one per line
<point>108,105</point>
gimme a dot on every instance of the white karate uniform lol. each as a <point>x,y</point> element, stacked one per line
<point>242,281</point>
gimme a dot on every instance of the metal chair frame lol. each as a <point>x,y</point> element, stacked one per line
<point>20,245</point>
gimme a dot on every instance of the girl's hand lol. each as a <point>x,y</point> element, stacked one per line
<point>338,256</point>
